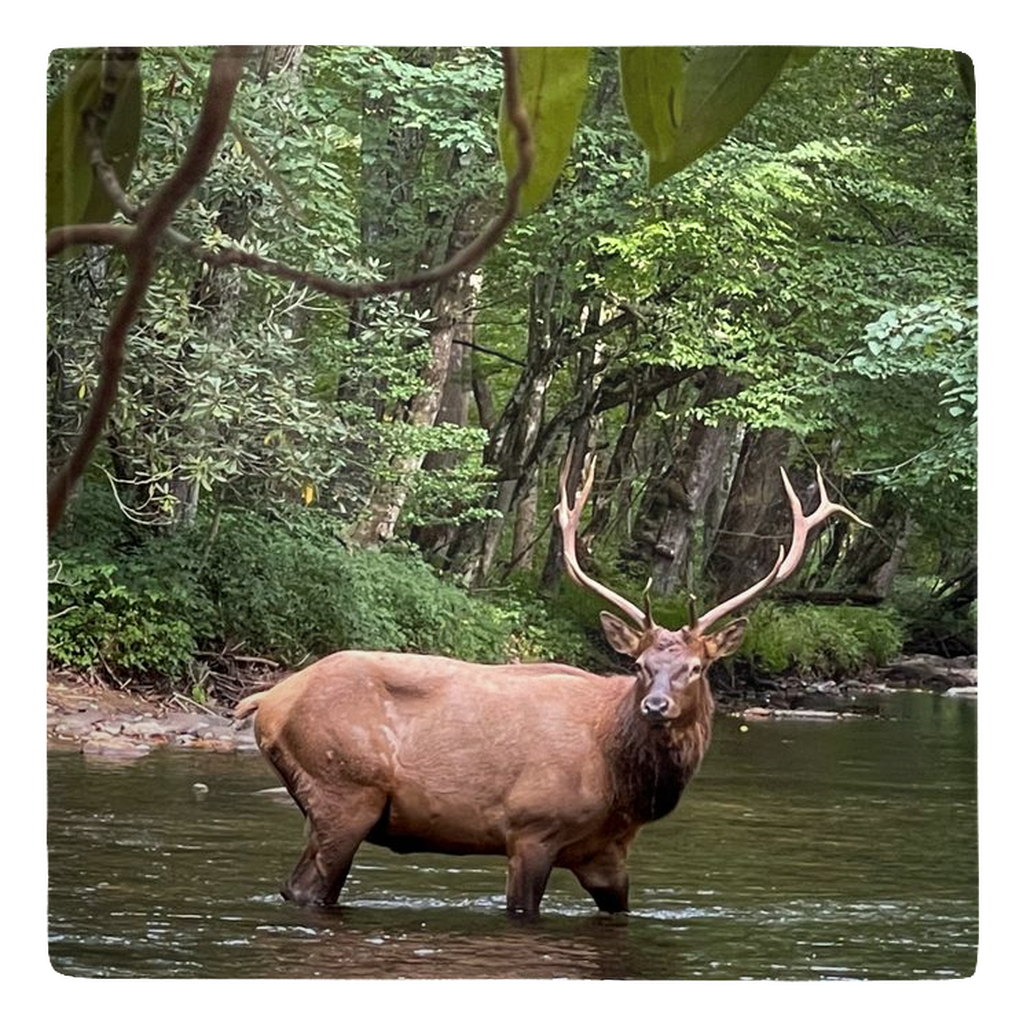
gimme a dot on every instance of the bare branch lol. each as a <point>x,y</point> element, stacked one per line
<point>225,75</point>
<point>69,235</point>
<point>153,229</point>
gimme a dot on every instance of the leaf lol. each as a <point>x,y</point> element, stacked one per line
<point>120,142</point>
<point>800,56</point>
<point>552,86</point>
<point>68,171</point>
<point>73,196</point>
<point>652,93</point>
<point>720,85</point>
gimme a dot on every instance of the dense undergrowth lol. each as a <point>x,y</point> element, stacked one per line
<point>143,604</point>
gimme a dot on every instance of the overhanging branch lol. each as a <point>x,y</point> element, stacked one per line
<point>152,229</point>
<point>225,74</point>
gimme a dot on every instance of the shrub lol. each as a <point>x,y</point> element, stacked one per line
<point>293,590</point>
<point>120,614</point>
<point>931,624</point>
<point>824,641</point>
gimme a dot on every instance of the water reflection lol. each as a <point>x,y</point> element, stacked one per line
<point>803,850</point>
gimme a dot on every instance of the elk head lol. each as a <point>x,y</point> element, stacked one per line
<point>671,664</point>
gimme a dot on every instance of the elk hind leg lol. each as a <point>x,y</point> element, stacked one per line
<point>337,826</point>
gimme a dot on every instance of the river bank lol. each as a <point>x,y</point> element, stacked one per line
<point>108,721</point>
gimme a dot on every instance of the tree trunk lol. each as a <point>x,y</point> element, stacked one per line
<point>756,517</point>
<point>615,490</point>
<point>452,299</point>
<point>454,409</point>
<point>588,381</point>
<point>873,558</point>
<point>512,447</point>
<point>673,521</point>
<point>523,540</point>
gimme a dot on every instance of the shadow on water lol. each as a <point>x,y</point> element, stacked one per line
<point>802,850</point>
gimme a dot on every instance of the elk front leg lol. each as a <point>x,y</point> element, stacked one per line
<point>529,867</point>
<point>606,879</point>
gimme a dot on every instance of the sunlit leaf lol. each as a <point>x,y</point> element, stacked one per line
<point>652,92</point>
<point>720,85</point>
<point>552,86</point>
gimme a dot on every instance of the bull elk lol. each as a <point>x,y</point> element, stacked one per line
<point>545,764</point>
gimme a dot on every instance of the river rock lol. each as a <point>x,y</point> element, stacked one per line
<point>104,745</point>
<point>930,672</point>
<point>811,714</point>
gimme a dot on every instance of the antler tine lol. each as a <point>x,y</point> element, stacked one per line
<point>802,525</point>
<point>787,562</point>
<point>648,613</point>
<point>748,595</point>
<point>568,520</point>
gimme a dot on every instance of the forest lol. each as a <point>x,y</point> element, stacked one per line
<point>286,468</point>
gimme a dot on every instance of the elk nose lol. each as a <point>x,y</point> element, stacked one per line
<point>654,705</point>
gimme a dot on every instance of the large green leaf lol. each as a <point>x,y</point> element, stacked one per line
<point>120,140</point>
<point>552,86</point>
<point>719,86</point>
<point>73,196</point>
<point>68,172</point>
<point>652,91</point>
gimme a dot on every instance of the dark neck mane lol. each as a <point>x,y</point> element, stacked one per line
<point>651,764</point>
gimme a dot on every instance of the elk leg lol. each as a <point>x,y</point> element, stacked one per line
<point>336,828</point>
<point>529,867</point>
<point>605,878</point>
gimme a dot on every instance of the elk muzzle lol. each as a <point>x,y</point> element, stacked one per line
<point>656,707</point>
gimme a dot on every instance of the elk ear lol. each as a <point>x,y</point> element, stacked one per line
<point>726,641</point>
<point>624,639</point>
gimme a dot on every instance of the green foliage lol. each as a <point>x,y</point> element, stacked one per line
<point>718,87</point>
<point>820,641</point>
<point>127,606</point>
<point>927,355</point>
<point>291,589</point>
<point>144,602</point>
<point>680,104</point>
<point>821,258</point>
<point>652,93</point>
<point>931,624</point>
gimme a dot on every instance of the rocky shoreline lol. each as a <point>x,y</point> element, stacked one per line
<point>106,722</point>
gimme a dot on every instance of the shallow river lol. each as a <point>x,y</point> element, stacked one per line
<point>803,849</point>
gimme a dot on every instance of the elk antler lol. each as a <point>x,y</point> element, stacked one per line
<point>787,562</point>
<point>568,520</point>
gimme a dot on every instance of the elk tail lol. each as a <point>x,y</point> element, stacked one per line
<point>245,707</point>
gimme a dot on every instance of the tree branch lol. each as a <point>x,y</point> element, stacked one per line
<point>141,247</point>
<point>152,229</point>
<point>464,260</point>
<point>488,351</point>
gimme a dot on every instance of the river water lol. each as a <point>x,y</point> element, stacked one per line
<point>803,849</point>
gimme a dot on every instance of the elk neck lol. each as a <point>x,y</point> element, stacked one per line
<point>652,763</point>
